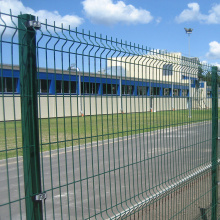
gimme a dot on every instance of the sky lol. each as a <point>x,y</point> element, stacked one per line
<point>157,24</point>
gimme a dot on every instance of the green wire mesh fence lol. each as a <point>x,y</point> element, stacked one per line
<point>93,127</point>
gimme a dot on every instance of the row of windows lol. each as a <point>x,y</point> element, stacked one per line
<point>9,85</point>
<point>70,87</point>
<point>86,88</point>
<point>167,91</point>
<point>111,89</point>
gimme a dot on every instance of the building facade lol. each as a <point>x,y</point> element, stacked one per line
<point>129,84</point>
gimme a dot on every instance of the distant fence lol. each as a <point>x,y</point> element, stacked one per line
<point>97,128</point>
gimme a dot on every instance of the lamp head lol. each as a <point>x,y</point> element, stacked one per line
<point>188,30</point>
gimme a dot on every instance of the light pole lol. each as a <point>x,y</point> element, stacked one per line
<point>189,31</point>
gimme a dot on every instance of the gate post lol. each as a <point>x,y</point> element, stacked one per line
<point>29,115</point>
<point>214,143</point>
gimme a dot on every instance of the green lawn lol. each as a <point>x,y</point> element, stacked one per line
<point>61,132</point>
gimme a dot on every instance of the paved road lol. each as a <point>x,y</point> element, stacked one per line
<point>90,179</point>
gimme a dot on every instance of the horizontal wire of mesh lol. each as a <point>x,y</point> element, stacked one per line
<point>119,123</point>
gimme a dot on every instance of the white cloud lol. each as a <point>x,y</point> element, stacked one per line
<point>109,13</point>
<point>193,14</point>
<point>17,7</point>
<point>158,20</point>
<point>214,50</point>
<point>190,14</point>
<point>214,15</point>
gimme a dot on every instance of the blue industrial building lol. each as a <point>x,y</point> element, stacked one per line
<point>56,82</point>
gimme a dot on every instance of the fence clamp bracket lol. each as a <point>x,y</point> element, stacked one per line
<point>40,197</point>
<point>33,24</point>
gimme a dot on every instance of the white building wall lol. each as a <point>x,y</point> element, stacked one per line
<point>67,106</point>
<point>150,67</point>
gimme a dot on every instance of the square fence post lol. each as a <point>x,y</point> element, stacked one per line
<point>29,116</point>
<point>214,143</point>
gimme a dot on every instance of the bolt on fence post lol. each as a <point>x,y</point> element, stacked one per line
<point>214,143</point>
<point>29,115</point>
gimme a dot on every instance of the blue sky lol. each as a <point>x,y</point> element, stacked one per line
<point>156,24</point>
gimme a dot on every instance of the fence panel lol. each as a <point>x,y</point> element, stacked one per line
<point>125,131</point>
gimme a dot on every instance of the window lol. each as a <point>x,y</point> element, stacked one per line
<point>58,86</point>
<point>73,87</point>
<point>8,84</point>
<point>127,90</point>
<point>155,91</point>
<point>65,86</point>
<point>89,88</point>
<point>110,89</point>
<point>142,90</point>
<point>167,69</point>
<point>184,92</point>
<point>166,91</point>
<point>176,92</point>
<point>44,86</point>
<point>209,93</point>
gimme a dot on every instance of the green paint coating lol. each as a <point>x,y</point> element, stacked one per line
<point>29,112</point>
<point>214,143</point>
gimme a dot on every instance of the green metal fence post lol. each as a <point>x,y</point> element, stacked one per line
<point>29,115</point>
<point>214,143</point>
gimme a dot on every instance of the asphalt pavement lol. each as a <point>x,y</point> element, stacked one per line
<point>102,178</point>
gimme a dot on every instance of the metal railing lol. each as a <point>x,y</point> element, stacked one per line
<point>93,127</point>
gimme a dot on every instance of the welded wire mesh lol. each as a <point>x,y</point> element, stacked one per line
<point>125,131</point>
